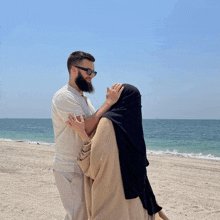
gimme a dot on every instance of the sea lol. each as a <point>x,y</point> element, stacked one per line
<point>198,139</point>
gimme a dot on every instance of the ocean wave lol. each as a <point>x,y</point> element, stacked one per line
<point>6,140</point>
<point>167,153</point>
<point>28,142</point>
<point>174,153</point>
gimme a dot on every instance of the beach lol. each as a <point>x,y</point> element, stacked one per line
<point>185,188</point>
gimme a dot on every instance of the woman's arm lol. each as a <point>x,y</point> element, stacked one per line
<point>78,126</point>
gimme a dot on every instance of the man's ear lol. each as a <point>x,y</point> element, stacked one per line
<point>74,70</point>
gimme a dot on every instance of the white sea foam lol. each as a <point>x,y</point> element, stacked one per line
<point>5,140</point>
<point>174,153</point>
<point>28,142</point>
<point>167,153</point>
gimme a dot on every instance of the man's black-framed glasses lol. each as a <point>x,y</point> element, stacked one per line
<point>89,71</point>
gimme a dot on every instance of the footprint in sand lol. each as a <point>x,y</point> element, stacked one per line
<point>198,209</point>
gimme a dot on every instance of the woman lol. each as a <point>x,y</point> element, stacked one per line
<point>114,163</point>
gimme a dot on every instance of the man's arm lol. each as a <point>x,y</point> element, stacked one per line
<point>112,97</point>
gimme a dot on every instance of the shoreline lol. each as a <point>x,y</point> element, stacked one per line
<point>161,153</point>
<point>185,188</point>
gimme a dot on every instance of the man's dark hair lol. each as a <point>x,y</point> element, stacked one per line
<point>76,58</point>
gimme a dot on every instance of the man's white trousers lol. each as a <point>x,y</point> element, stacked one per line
<point>71,189</point>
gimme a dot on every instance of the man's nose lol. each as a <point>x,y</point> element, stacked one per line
<point>91,76</point>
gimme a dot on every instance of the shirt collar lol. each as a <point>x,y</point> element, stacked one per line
<point>70,88</point>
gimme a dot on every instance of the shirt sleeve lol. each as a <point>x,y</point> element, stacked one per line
<point>66,104</point>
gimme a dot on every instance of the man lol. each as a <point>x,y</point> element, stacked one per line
<point>68,100</point>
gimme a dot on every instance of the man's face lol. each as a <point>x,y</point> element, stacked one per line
<point>83,84</point>
<point>83,80</point>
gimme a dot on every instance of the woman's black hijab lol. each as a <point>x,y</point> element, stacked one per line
<point>126,117</point>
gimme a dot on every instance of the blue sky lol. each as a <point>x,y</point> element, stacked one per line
<point>169,49</point>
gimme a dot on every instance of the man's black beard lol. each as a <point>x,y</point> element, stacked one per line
<point>83,84</point>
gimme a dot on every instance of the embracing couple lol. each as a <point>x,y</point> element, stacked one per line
<point>100,161</point>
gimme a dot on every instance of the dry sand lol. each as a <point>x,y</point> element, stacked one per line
<point>186,188</point>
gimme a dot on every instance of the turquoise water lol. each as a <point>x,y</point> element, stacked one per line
<point>191,138</point>
<point>184,136</point>
<point>40,130</point>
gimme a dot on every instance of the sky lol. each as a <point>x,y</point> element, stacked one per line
<point>169,50</point>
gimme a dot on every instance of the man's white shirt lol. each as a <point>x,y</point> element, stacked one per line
<point>66,101</point>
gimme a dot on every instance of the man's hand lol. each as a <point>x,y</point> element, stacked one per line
<point>114,93</point>
<point>112,97</point>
